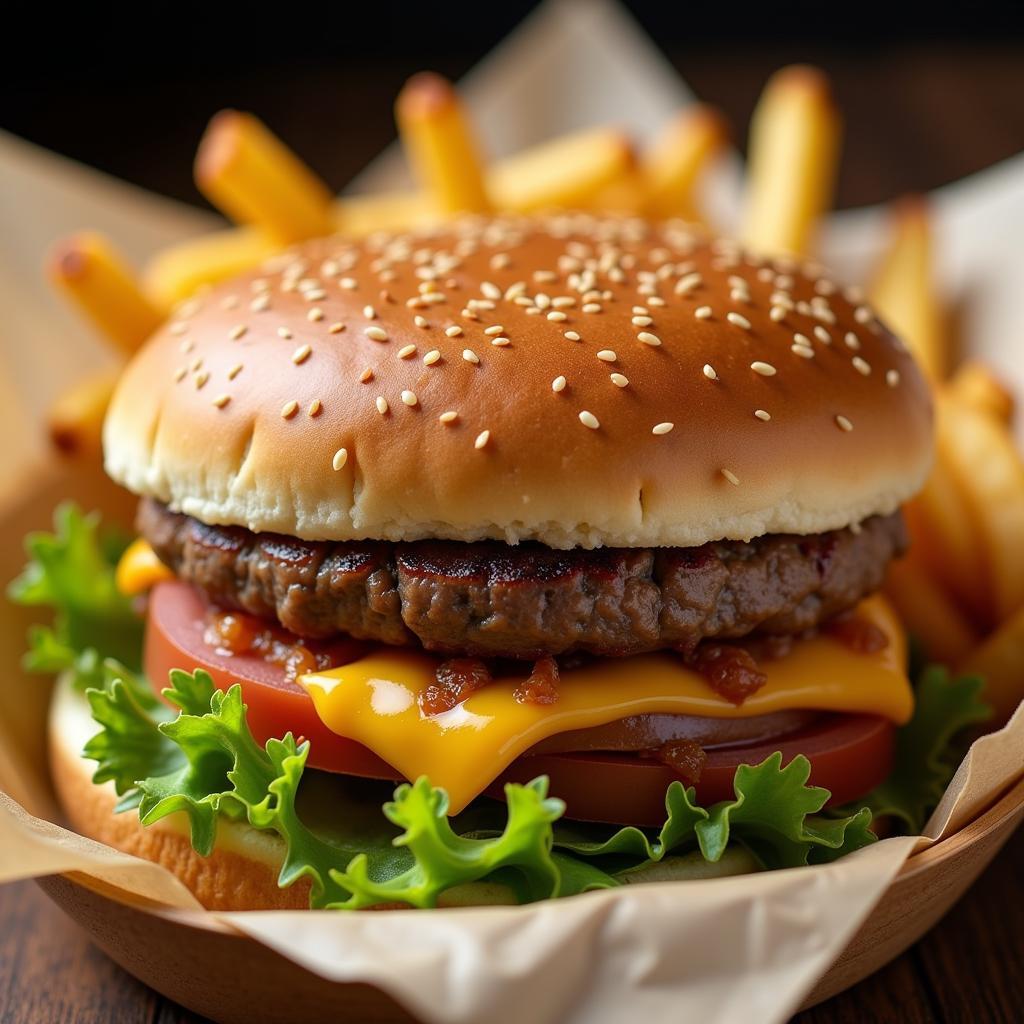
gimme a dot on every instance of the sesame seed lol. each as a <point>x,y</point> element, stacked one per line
<point>709,372</point>
<point>366,376</point>
<point>642,321</point>
<point>648,339</point>
<point>558,384</point>
<point>407,352</point>
<point>448,417</point>
<point>260,304</point>
<point>572,336</point>
<point>470,356</point>
<point>802,339</point>
<point>420,321</point>
<point>662,428</point>
<point>432,357</point>
<point>687,283</point>
<point>642,310</point>
<point>376,333</point>
<point>221,400</point>
<point>738,320</point>
<point>481,439</point>
<point>315,314</point>
<point>382,405</point>
<point>409,398</point>
<point>802,350</point>
<point>862,314</point>
<point>765,369</point>
<point>762,415</point>
<point>862,366</point>
<point>314,408</point>
<point>892,377</point>
<point>289,409</point>
<point>201,379</point>
<point>369,312</point>
<point>340,458</point>
<point>739,295</point>
<point>301,354</point>
<point>702,312</point>
<point>592,307</point>
<point>731,477</point>
<point>237,331</point>
<point>285,333</point>
<point>777,314</point>
<point>843,423</point>
<point>348,283</point>
<point>454,331</point>
<point>493,329</point>
<point>314,295</point>
<point>500,342</point>
<point>852,341</point>
<point>619,380</point>
<point>178,329</point>
<point>234,371</point>
<point>822,335</point>
<point>490,291</point>
<point>606,355</point>
<point>336,328</point>
<point>180,374</point>
<point>557,316</point>
<point>588,419</point>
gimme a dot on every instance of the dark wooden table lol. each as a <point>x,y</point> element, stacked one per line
<point>917,115</point>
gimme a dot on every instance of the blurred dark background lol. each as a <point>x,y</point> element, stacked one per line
<point>930,92</point>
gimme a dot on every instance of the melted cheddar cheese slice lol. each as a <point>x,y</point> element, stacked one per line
<point>375,701</point>
<point>139,569</point>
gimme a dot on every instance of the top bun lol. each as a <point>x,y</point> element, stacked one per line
<point>574,379</point>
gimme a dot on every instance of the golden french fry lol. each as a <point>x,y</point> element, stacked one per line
<point>974,384</point>
<point>254,178</point>
<point>440,144</point>
<point>88,270</point>
<point>989,472</point>
<point>360,215</point>
<point>793,158</point>
<point>928,613</point>
<point>1000,660</point>
<point>945,540</point>
<point>176,272</point>
<point>624,195</point>
<point>671,167</point>
<point>75,420</point>
<point>903,291</point>
<point>570,171</point>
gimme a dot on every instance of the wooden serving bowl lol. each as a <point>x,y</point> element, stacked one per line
<point>229,977</point>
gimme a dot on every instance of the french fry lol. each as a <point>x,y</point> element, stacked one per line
<point>570,171</point>
<point>627,194</point>
<point>974,384</point>
<point>440,145</point>
<point>945,539</point>
<point>903,291</point>
<point>75,420</point>
<point>928,613</point>
<point>176,272</point>
<point>361,215</point>
<point>93,276</point>
<point>793,159</point>
<point>989,472</point>
<point>254,178</point>
<point>1000,661</point>
<point>672,166</point>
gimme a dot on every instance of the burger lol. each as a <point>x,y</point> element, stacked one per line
<point>570,526</point>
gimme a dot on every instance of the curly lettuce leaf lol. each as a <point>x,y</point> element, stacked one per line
<point>72,571</point>
<point>927,754</point>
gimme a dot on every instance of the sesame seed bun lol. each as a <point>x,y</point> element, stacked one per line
<point>576,380</point>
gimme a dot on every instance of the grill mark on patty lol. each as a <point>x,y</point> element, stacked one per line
<point>487,599</point>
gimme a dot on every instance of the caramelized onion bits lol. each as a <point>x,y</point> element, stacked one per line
<point>542,685</point>
<point>454,681</point>
<point>238,633</point>
<point>730,671</point>
<point>685,757</point>
<point>860,635</point>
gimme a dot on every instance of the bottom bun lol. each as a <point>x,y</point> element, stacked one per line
<point>239,874</point>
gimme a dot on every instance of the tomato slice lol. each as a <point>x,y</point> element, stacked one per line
<point>849,754</point>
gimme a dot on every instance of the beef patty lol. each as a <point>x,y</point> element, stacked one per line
<point>493,600</point>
